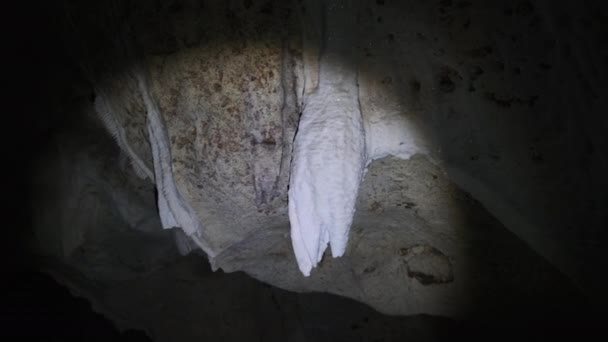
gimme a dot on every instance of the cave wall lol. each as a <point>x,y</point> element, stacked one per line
<point>506,115</point>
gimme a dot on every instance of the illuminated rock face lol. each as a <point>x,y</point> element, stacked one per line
<point>402,111</point>
<point>329,155</point>
<point>336,142</point>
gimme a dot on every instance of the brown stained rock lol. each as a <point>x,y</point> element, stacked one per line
<point>376,208</point>
<point>427,264</point>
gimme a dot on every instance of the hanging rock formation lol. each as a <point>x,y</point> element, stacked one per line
<point>434,146</point>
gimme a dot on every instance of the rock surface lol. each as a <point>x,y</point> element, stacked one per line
<point>498,200</point>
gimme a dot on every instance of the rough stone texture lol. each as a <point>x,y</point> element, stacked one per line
<point>509,116</point>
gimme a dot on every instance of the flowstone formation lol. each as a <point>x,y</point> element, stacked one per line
<point>416,139</point>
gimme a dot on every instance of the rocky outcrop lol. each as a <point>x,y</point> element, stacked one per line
<point>465,113</point>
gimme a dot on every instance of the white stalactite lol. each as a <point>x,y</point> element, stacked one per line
<point>329,155</point>
<point>174,210</point>
<point>107,113</point>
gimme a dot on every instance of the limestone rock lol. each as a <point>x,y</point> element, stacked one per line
<point>482,192</point>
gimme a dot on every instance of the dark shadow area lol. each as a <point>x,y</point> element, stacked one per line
<point>42,310</point>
